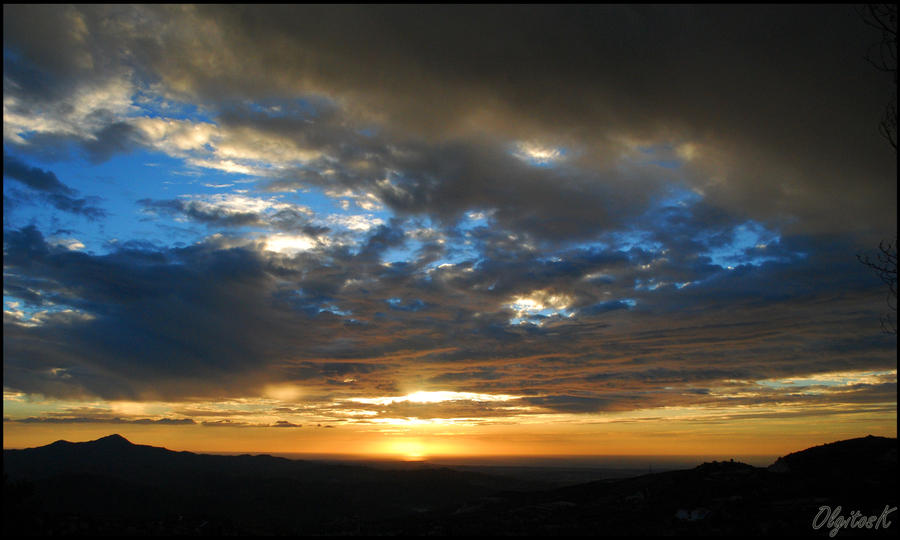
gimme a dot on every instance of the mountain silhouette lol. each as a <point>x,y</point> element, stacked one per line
<point>112,480</point>
<point>110,486</point>
<point>842,458</point>
<point>715,498</point>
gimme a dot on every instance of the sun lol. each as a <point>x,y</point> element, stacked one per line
<point>408,450</point>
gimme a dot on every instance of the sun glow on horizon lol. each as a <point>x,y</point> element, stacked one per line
<point>422,396</point>
<point>408,450</point>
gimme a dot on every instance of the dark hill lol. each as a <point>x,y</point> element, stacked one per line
<point>111,479</point>
<point>112,486</point>
<point>717,498</point>
<point>866,455</point>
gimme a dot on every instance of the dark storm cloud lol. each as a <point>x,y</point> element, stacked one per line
<point>83,207</point>
<point>49,189</point>
<point>164,316</point>
<point>773,107</point>
<point>676,127</point>
<point>559,204</point>
<point>285,219</point>
<point>213,320</point>
<point>201,213</point>
<point>113,138</point>
<point>95,146</point>
<point>33,177</point>
<point>779,99</point>
<point>443,180</point>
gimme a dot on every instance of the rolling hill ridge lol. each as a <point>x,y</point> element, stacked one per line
<point>111,485</point>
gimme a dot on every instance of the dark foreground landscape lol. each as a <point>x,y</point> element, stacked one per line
<point>111,486</point>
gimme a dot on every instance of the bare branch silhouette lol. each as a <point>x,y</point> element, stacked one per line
<point>883,56</point>
<point>885,265</point>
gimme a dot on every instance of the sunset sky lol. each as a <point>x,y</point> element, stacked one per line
<point>462,230</point>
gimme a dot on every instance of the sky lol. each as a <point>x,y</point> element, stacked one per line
<point>458,230</point>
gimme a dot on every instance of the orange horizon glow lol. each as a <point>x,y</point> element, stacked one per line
<point>763,437</point>
<point>460,424</point>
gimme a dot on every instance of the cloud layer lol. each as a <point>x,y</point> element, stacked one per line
<point>593,210</point>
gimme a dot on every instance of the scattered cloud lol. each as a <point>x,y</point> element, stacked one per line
<point>368,214</point>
